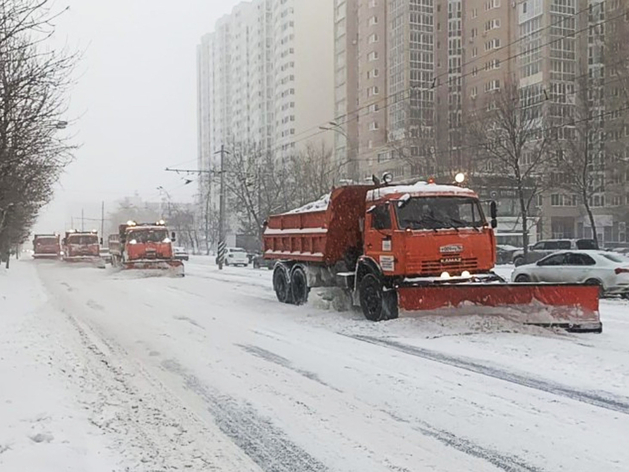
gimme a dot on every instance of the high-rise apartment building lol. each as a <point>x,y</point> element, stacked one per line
<point>265,77</point>
<point>424,69</point>
<point>345,124</point>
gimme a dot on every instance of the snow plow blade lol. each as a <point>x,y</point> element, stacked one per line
<point>90,260</point>
<point>571,307</point>
<point>173,267</point>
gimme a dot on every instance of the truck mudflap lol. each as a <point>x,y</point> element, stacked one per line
<point>173,267</point>
<point>568,306</point>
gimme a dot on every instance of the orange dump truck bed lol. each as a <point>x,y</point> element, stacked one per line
<point>323,232</point>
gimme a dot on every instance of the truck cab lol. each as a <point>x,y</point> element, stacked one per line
<point>46,246</point>
<point>147,242</point>
<point>427,230</point>
<point>78,246</point>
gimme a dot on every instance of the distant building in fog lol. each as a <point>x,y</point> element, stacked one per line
<point>265,77</point>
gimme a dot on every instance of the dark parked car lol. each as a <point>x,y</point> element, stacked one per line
<point>544,248</point>
<point>260,262</point>
<point>504,253</point>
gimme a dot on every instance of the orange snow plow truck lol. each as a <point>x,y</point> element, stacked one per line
<point>144,246</point>
<point>82,246</point>
<point>46,246</point>
<point>423,247</point>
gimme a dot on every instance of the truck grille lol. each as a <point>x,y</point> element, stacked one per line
<point>449,263</point>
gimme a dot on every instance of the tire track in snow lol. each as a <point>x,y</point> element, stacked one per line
<point>283,362</point>
<point>505,462</point>
<point>262,441</point>
<point>600,399</point>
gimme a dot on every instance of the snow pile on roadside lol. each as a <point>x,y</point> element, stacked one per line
<point>319,205</point>
<point>43,426</point>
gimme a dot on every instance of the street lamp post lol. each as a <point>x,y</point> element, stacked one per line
<point>336,128</point>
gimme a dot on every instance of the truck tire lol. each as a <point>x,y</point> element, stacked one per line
<point>376,303</point>
<point>518,261</point>
<point>299,286</point>
<point>599,284</point>
<point>281,284</point>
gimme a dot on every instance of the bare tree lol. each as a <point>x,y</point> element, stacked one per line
<point>33,86</point>
<point>313,172</point>
<point>256,183</point>
<point>510,142</point>
<point>580,160</point>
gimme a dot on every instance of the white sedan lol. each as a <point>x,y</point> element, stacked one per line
<point>608,270</point>
<point>236,256</point>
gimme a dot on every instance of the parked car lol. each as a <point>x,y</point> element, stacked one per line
<point>251,255</point>
<point>543,248</point>
<point>104,254</point>
<point>608,270</point>
<point>235,256</point>
<point>180,253</point>
<point>260,262</point>
<point>504,253</point>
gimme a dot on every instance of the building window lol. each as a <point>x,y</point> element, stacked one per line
<point>373,126</point>
<point>373,55</point>
<point>373,21</point>
<point>492,85</point>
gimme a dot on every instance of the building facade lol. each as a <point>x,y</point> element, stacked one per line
<point>265,78</point>
<point>424,68</point>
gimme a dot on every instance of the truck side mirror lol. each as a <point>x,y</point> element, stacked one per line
<point>173,237</point>
<point>494,214</point>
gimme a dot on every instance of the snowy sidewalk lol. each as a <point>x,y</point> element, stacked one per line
<point>44,425</point>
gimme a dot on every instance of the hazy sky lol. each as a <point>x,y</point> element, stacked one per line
<point>135,100</point>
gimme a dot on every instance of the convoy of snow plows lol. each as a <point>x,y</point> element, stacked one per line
<point>420,247</point>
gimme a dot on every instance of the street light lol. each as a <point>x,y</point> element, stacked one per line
<point>335,127</point>
<point>459,178</point>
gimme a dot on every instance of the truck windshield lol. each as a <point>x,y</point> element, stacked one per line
<point>439,213</point>
<point>83,240</point>
<point>148,235</point>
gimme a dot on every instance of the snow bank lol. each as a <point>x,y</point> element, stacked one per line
<point>319,205</point>
<point>418,188</point>
<point>44,426</point>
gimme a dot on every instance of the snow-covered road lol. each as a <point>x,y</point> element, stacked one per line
<point>210,372</point>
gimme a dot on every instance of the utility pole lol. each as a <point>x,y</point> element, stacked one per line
<point>208,196</point>
<point>200,172</point>
<point>221,217</point>
<point>82,221</point>
<point>102,220</point>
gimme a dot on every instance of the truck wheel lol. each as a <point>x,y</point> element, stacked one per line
<point>599,284</point>
<point>371,298</point>
<point>299,286</point>
<point>281,285</point>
